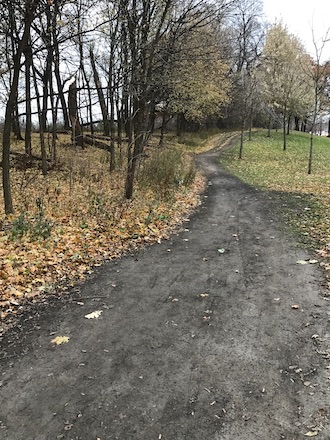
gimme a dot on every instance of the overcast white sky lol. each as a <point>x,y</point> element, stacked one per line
<point>301,16</point>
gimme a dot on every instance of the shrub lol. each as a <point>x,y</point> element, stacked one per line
<point>165,170</point>
<point>20,227</point>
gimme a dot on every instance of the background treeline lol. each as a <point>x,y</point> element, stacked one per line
<point>113,72</point>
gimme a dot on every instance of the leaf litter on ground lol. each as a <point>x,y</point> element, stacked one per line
<point>90,222</point>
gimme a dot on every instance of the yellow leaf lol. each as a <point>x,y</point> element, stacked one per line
<point>60,340</point>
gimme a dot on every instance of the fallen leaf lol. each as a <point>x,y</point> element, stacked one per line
<point>81,235</point>
<point>203,295</point>
<point>94,315</point>
<point>311,434</point>
<point>60,340</point>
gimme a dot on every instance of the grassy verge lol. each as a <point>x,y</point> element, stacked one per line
<point>304,199</point>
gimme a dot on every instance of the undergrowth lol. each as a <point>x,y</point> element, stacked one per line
<point>75,217</point>
<point>165,170</point>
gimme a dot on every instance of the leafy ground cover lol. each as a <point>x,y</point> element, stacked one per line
<point>75,218</point>
<point>304,199</point>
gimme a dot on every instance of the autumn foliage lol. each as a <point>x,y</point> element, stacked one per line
<point>75,218</point>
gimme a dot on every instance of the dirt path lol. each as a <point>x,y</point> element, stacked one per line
<point>197,339</point>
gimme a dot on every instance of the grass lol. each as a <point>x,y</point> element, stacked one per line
<point>204,140</point>
<point>305,199</point>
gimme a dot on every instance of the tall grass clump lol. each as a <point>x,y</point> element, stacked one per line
<point>165,170</point>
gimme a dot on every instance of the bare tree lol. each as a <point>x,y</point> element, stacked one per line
<point>247,33</point>
<point>29,15</point>
<point>28,123</point>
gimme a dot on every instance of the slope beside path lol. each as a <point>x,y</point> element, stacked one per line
<point>214,334</point>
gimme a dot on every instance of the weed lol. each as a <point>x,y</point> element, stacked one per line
<point>97,203</point>
<point>36,228</point>
<point>19,227</point>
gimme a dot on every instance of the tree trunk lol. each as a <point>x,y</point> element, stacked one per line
<point>85,76</point>
<point>119,132</point>
<point>240,156</point>
<point>77,137</point>
<point>100,94</point>
<point>111,92</point>
<point>152,118</point>
<point>45,91</point>
<point>139,123</point>
<point>54,121</point>
<point>130,162</point>
<point>304,126</point>
<point>288,125</point>
<point>284,132</point>
<point>179,124</point>
<point>162,129</point>
<point>16,124</point>
<point>28,123</point>
<point>112,131</point>
<point>310,158</point>
<point>250,126</point>
<point>59,84</point>
<point>8,202</point>
<point>269,126</point>
<point>41,130</point>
